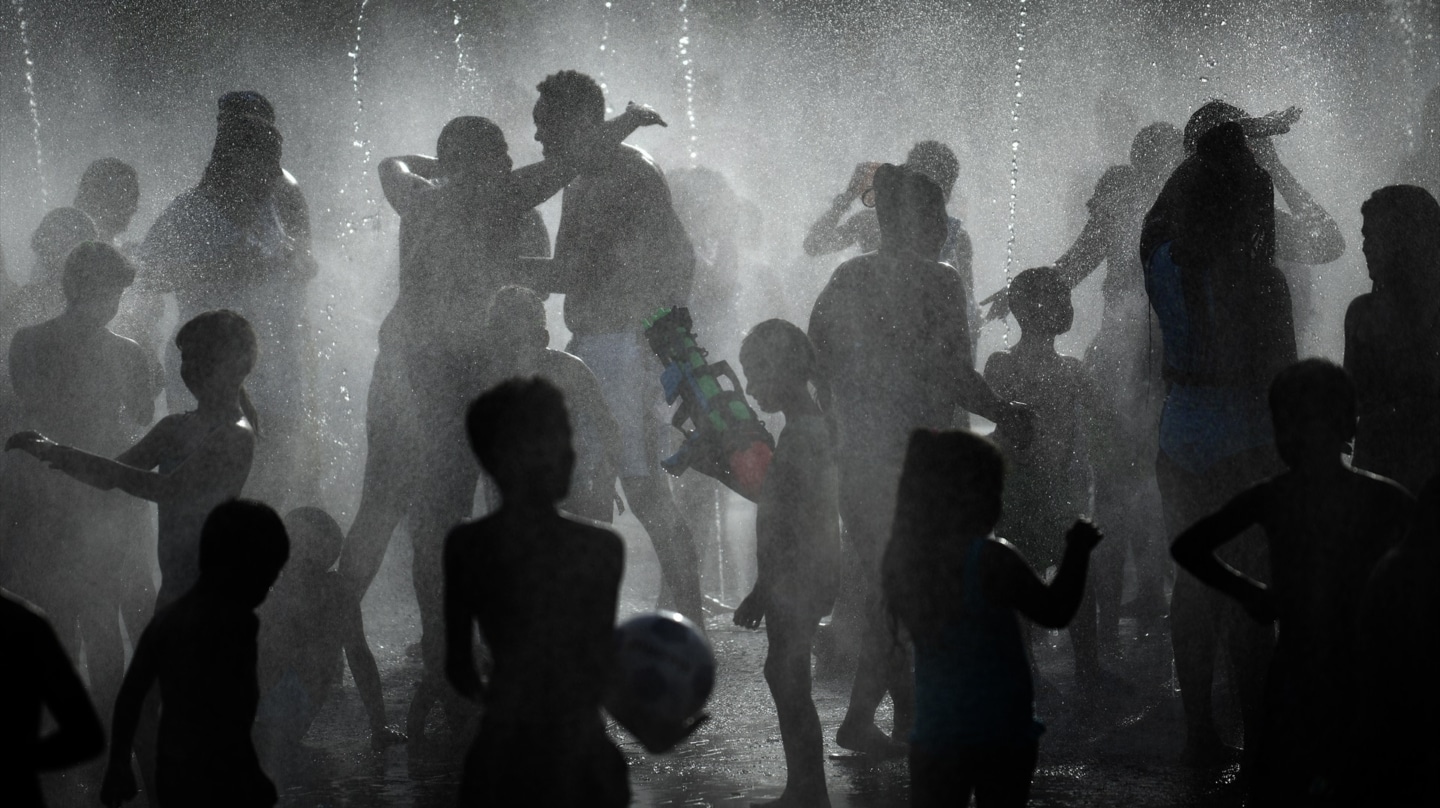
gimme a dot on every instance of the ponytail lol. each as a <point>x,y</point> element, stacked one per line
<point>248,408</point>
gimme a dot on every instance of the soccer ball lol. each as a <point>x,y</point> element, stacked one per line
<point>663,672</point>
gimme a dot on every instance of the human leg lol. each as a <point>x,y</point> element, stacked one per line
<point>867,505</point>
<point>1194,635</point>
<point>787,672</point>
<point>654,506</point>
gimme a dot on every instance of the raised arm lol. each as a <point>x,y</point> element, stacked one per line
<point>1009,581</point>
<point>1307,234</point>
<point>405,177</point>
<point>827,235</point>
<point>119,784</point>
<point>1194,551</point>
<point>531,185</point>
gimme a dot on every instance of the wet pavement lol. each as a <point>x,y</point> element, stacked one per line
<point>1120,749</point>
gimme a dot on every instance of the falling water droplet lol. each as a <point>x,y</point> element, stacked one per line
<point>32,100</point>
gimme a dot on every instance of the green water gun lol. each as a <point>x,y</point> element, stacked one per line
<point>726,439</point>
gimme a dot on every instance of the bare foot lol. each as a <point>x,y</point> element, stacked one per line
<point>868,739</point>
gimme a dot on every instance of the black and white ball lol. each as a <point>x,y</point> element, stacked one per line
<point>663,673</point>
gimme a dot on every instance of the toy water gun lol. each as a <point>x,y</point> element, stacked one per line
<point>726,439</point>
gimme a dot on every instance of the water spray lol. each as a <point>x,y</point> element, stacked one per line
<point>687,62</point>
<point>606,50</point>
<point>1014,155</point>
<point>32,101</point>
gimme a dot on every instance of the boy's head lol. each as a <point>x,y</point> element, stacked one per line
<point>95,277</point>
<point>218,350</point>
<point>315,538</point>
<point>1312,404</point>
<point>955,477</point>
<point>56,235</point>
<point>241,103</point>
<point>570,104</point>
<point>1041,302</point>
<point>936,161</point>
<point>1212,114</point>
<point>470,143</point>
<point>243,547</point>
<point>515,324</point>
<point>1400,228</point>
<point>778,361</point>
<point>109,192</point>
<point>520,432</point>
<point>245,160</point>
<point>911,211</point>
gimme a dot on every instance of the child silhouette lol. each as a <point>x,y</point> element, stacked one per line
<point>1326,527</point>
<point>1050,479</point>
<point>199,458</point>
<point>308,625</point>
<point>202,652</point>
<point>958,590</point>
<point>797,543</point>
<point>543,590</point>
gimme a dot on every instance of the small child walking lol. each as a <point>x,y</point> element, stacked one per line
<point>202,651</point>
<point>797,543</point>
<point>958,590</point>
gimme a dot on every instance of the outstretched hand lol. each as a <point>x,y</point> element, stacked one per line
<point>643,115</point>
<point>999,304</point>
<point>32,443</point>
<point>750,611</point>
<point>1084,535</point>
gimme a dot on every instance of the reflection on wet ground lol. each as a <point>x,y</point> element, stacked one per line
<point>1120,748</point>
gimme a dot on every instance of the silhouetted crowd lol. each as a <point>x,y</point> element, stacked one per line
<point>1285,489</point>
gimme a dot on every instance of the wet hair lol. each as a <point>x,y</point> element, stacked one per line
<point>218,338</point>
<point>516,429</point>
<point>243,543</point>
<point>240,139</point>
<point>1206,118</point>
<point>936,161</point>
<point>1410,216</point>
<point>102,175</point>
<point>574,93</point>
<point>1314,389</point>
<point>911,210</point>
<point>314,535</point>
<point>59,232</point>
<point>242,103</point>
<point>950,489</point>
<point>1156,145</point>
<point>785,341</point>
<point>467,140</point>
<point>94,266</point>
<point>1036,291</point>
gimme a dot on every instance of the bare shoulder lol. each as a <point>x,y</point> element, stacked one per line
<point>1384,492</point>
